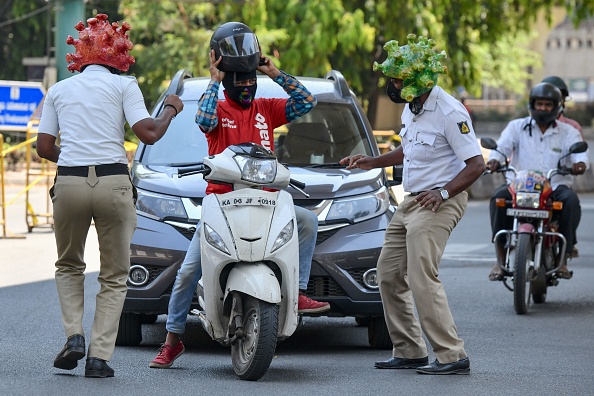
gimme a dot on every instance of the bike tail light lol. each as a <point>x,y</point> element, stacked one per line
<point>557,205</point>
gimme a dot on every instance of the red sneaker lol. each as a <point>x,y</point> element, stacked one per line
<point>307,305</point>
<point>167,355</point>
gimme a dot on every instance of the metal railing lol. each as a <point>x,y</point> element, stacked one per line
<point>46,170</point>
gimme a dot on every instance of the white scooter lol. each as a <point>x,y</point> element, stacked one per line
<point>249,251</point>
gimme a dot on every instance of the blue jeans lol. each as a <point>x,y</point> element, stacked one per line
<point>190,271</point>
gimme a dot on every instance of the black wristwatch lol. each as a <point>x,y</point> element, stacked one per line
<point>444,194</point>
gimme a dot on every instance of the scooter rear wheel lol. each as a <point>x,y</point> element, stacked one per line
<point>253,353</point>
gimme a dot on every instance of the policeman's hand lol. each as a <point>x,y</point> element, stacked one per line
<point>493,165</point>
<point>357,161</point>
<point>267,67</point>
<point>578,169</point>
<point>215,73</point>
<point>175,101</point>
<point>431,198</point>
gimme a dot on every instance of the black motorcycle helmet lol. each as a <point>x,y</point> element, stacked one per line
<point>559,83</point>
<point>238,46</point>
<point>545,91</point>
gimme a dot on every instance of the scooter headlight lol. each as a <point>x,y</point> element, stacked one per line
<point>256,170</point>
<point>363,207</point>
<point>215,239</point>
<point>528,200</point>
<point>283,237</point>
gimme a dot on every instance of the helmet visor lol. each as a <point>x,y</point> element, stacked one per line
<point>239,45</point>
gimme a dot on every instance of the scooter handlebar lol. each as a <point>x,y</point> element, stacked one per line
<point>191,170</point>
<point>297,183</point>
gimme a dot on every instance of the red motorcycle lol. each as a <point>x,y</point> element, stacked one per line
<point>534,248</point>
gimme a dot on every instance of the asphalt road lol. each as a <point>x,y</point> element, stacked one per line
<point>546,352</point>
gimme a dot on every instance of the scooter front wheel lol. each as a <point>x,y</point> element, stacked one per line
<point>253,353</point>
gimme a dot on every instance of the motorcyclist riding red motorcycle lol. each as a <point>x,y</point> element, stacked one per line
<point>537,143</point>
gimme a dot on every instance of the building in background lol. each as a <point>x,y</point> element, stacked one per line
<point>569,54</point>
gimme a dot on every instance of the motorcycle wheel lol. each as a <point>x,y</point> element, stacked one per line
<point>539,287</point>
<point>252,354</point>
<point>523,259</point>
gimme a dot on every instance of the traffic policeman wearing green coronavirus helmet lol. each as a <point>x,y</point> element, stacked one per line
<point>441,158</point>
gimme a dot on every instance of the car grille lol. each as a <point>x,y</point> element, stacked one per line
<point>188,233</point>
<point>357,275</point>
<point>322,236</point>
<point>323,286</point>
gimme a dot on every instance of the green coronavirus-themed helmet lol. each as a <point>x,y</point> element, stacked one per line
<point>416,63</point>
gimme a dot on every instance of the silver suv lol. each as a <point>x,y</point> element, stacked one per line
<point>353,207</point>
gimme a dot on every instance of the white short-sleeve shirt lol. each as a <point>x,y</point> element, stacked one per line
<point>436,142</point>
<point>89,111</point>
<point>528,148</point>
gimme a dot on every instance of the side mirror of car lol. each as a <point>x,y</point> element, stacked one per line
<point>396,175</point>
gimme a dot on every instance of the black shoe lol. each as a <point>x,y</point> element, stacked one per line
<point>462,366</point>
<point>97,368</point>
<point>401,363</point>
<point>73,351</point>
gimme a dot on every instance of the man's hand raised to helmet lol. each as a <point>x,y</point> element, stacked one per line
<point>267,67</point>
<point>215,73</point>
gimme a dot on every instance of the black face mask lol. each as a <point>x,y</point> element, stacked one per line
<point>394,93</point>
<point>244,96</point>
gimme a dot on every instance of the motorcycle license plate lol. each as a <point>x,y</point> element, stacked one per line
<point>536,214</point>
<point>248,201</point>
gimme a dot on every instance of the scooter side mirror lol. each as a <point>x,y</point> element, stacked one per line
<point>575,148</point>
<point>489,143</point>
<point>579,147</point>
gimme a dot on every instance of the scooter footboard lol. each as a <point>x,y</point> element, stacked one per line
<point>256,280</point>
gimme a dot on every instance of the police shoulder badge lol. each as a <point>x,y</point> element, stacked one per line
<point>463,127</point>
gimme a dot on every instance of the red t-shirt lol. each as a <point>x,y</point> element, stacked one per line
<point>238,125</point>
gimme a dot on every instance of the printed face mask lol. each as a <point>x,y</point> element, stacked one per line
<point>244,96</point>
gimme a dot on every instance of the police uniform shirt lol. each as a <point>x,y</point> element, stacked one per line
<point>529,148</point>
<point>436,142</point>
<point>89,111</point>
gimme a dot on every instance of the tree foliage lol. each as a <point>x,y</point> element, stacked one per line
<point>485,40</point>
<point>20,38</point>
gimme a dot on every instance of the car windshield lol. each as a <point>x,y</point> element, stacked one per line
<point>327,134</point>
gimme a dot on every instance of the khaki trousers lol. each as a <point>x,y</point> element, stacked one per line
<point>408,276</point>
<point>108,201</point>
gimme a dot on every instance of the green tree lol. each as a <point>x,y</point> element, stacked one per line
<point>26,30</point>
<point>23,33</point>
<point>484,40</point>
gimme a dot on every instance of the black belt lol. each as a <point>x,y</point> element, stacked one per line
<point>414,194</point>
<point>100,170</point>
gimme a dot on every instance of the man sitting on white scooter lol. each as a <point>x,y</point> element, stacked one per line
<point>224,124</point>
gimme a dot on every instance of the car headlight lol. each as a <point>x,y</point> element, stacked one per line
<point>159,206</point>
<point>215,239</point>
<point>256,170</point>
<point>528,200</point>
<point>283,237</point>
<point>360,208</point>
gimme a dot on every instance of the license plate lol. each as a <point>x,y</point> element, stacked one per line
<point>248,201</point>
<point>536,214</point>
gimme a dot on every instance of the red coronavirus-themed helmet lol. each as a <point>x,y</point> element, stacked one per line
<point>101,43</point>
